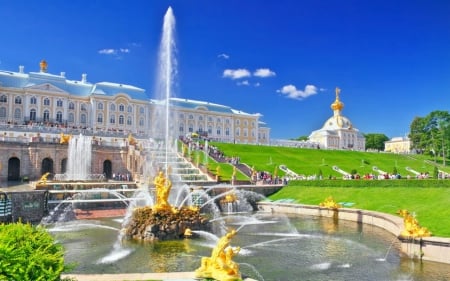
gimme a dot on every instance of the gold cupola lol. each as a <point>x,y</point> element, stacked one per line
<point>43,65</point>
<point>337,104</point>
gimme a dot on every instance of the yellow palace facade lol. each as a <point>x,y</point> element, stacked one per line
<point>51,102</point>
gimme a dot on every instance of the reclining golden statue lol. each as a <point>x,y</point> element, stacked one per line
<point>220,265</point>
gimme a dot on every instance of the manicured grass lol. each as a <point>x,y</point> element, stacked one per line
<point>314,161</point>
<point>429,200</point>
<point>430,205</point>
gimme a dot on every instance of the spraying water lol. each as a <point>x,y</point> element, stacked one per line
<point>79,158</point>
<point>165,82</point>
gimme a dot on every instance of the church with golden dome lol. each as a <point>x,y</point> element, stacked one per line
<point>338,131</point>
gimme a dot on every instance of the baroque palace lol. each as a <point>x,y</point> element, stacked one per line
<point>39,106</point>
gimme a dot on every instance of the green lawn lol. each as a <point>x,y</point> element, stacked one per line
<point>430,205</point>
<point>429,200</point>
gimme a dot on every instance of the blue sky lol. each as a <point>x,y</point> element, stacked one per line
<point>280,58</point>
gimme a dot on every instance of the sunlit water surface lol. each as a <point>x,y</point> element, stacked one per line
<point>273,247</point>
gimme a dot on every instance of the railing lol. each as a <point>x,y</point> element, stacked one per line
<point>5,205</point>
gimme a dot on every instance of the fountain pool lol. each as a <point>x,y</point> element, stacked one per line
<point>273,247</point>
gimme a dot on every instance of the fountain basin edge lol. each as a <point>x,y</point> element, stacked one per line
<point>436,249</point>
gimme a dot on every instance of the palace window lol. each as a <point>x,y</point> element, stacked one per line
<point>130,109</point>
<point>141,110</point>
<point>112,107</point>
<point>33,115</point>
<point>83,107</point>
<point>46,116</point>
<point>59,103</point>
<point>17,113</point>
<point>121,108</point>
<point>46,101</point>
<point>71,105</point>
<point>121,120</point>
<point>100,118</point>
<point>112,119</point>
<point>83,119</point>
<point>71,118</point>
<point>129,121</point>
<point>141,122</point>
<point>3,98</point>
<point>33,100</point>
<point>100,106</point>
<point>59,116</point>
<point>2,112</point>
<point>18,100</point>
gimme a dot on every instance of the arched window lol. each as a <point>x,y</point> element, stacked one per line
<point>112,119</point>
<point>100,106</point>
<point>141,122</point>
<point>33,114</point>
<point>59,103</point>
<point>238,131</point>
<point>18,100</point>
<point>83,119</point>
<point>130,109</point>
<point>121,107</point>
<point>181,128</point>
<point>112,107</point>
<point>209,130</point>
<point>59,116</point>
<point>3,98</point>
<point>46,116</point>
<point>100,118</point>
<point>46,101</point>
<point>33,100</point>
<point>2,112</point>
<point>71,117</point>
<point>83,107</point>
<point>141,110</point>
<point>218,131</point>
<point>121,120</point>
<point>129,121</point>
<point>71,105</point>
<point>227,131</point>
<point>181,116</point>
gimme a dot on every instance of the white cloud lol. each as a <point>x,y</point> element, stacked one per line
<point>243,83</point>
<point>236,73</point>
<point>223,56</point>
<point>293,93</point>
<point>107,52</point>
<point>257,84</point>
<point>264,72</point>
<point>114,52</point>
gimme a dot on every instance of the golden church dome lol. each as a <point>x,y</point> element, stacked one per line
<point>337,104</point>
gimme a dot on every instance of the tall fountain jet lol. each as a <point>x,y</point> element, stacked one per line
<point>79,158</point>
<point>167,71</point>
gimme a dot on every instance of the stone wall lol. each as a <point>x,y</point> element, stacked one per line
<point>29,207</point>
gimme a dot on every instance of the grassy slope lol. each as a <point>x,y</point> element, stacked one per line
<point>310,161</point>
<point>429,204</point>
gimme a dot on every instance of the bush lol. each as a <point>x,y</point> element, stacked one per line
<point>29,253</point>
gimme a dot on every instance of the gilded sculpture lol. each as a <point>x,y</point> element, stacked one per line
<point>220,266</point>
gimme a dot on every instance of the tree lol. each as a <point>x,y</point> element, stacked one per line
<point>301,138</point>
<point>375,141</point>
<point>431,133</point>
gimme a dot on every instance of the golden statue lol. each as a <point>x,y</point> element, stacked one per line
<point>131,140</point>
<point>163,186</point>
<point>64,139</point>
<point>220,265</point>
<point>43,178</point>
<point>330,203</point>
<point>412,227</point>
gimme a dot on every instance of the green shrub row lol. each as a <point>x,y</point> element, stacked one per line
<point>372,183</point>
<point>29,253</point>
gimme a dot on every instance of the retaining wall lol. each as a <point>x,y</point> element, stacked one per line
<point>428,248</point>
